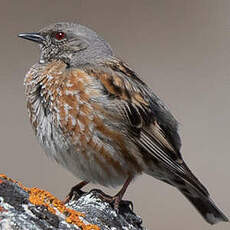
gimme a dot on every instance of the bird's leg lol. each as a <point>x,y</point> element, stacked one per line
<point>118,197</point>
<point>76,188</point>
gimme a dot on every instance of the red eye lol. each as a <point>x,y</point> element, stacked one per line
<point>60,35</point>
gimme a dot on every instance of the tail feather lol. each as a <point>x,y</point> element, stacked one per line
<point>206,207</point>
<point>199,196</point>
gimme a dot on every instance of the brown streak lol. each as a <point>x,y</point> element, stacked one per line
<point>119,140</point>
<point>105,154</point>
<point>102,165</point>
<point>140,99</point>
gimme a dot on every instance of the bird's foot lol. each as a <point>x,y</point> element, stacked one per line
<point>115,201</point>
<point>75,192</point>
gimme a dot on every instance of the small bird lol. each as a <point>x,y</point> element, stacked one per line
<point>93,115</point>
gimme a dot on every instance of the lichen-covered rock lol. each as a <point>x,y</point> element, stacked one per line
<point>25,208</point>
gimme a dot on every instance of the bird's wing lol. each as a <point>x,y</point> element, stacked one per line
<point>150,124</point>
<point>138,107</point>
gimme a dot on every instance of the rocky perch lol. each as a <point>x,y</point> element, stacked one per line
<point>25,208</point>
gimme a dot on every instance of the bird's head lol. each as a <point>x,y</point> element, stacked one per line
<point>72,43</point>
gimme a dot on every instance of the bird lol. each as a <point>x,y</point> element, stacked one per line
<point>94,115</point>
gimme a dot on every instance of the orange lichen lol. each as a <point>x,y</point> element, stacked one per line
<point>43,198</point>
<point>14,181</point>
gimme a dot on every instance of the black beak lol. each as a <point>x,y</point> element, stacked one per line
<point>35,37</point>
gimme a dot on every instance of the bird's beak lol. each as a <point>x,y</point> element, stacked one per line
<point>35,37</point>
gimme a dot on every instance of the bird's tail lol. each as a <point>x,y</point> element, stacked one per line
<point>205,206</point>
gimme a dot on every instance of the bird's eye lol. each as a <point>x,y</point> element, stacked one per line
<point>59,35</point>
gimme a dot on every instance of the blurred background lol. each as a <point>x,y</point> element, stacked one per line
<point>180,48</point>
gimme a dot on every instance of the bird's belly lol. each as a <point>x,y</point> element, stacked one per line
<point>81,160</point>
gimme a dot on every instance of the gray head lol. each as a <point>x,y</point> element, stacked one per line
<point>72,43</point>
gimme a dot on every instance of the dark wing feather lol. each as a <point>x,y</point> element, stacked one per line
<point>178,168</point>
<point>149,122</point>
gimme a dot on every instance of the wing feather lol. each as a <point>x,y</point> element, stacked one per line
<point>178,169</point>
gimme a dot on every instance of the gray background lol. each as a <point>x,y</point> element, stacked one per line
<point>180,48</point>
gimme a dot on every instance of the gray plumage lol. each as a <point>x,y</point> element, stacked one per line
<point>89,46</point>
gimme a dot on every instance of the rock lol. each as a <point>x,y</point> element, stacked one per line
<point>25,208</point>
